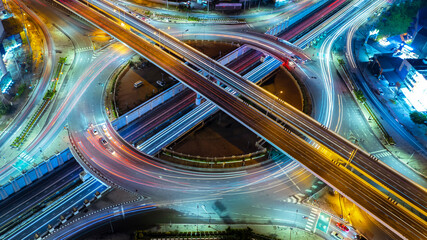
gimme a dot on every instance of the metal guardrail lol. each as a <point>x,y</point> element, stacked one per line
<point>80,158</point>
<point>210,160</point>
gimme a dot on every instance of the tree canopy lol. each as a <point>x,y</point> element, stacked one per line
<point>398,18</point>
<point>418,117</point>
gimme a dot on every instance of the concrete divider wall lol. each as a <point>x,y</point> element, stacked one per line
<point>147,106</point>
<point>137,112</point>
<point>233,55</point>
<point>26,178</point>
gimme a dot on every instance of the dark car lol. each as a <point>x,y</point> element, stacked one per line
<point>103,141</point>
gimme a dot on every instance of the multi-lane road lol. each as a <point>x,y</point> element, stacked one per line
<point>372,200</point>
<point>403,188</point>
<point>78,34</point>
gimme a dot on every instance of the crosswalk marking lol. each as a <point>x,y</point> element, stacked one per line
<point>382,154</point>
<point>84,49</point>
<point>379,151</point>
<point>313,215</point>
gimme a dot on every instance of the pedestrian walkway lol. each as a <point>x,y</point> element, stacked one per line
<point>272,231</point>
<point>381,153</point>
<point>312,218</point>
<point>84,49</point>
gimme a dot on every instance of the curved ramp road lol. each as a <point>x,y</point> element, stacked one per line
<point>403,223</point>
<point>403,188</point>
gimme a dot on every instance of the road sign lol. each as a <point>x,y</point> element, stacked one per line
<point>323,222</point>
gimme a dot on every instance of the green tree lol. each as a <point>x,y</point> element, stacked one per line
<point>398,18</point>
<point>417,117</point>
<point>21,89</point>
<point>4,108</point>
<point>360,96</point>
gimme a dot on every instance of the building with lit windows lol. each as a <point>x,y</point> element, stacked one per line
<point>405,74</point>
<point>415,90</point>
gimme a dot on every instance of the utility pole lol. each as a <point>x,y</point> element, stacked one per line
<point>197,222</point>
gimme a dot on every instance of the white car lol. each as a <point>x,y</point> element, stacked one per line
<point>337,235</point>
<point>104,127</point>
<point>111,150</point>
<point>160,83</point>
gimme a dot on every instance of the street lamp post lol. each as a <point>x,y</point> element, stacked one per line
<point>197,222</point>
<point>182,35</point>
<point>295,220</point>
<point>25,31</point>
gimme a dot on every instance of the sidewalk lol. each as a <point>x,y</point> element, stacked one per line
<point>273,231</point>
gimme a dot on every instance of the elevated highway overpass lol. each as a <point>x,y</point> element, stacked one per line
<point>404,189</point>
<point>402,222</point>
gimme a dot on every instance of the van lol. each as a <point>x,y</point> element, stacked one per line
<point>138,84</point>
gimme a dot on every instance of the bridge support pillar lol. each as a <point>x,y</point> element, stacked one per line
<point>198,99</point>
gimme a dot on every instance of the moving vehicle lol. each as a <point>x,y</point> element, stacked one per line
<point>104,127</point>
<point>138,84</point>
<point>160,83</point>
<point>103,141</point>
<point>342,227</point>
<point>337,235</point>
<point>111,150</point>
